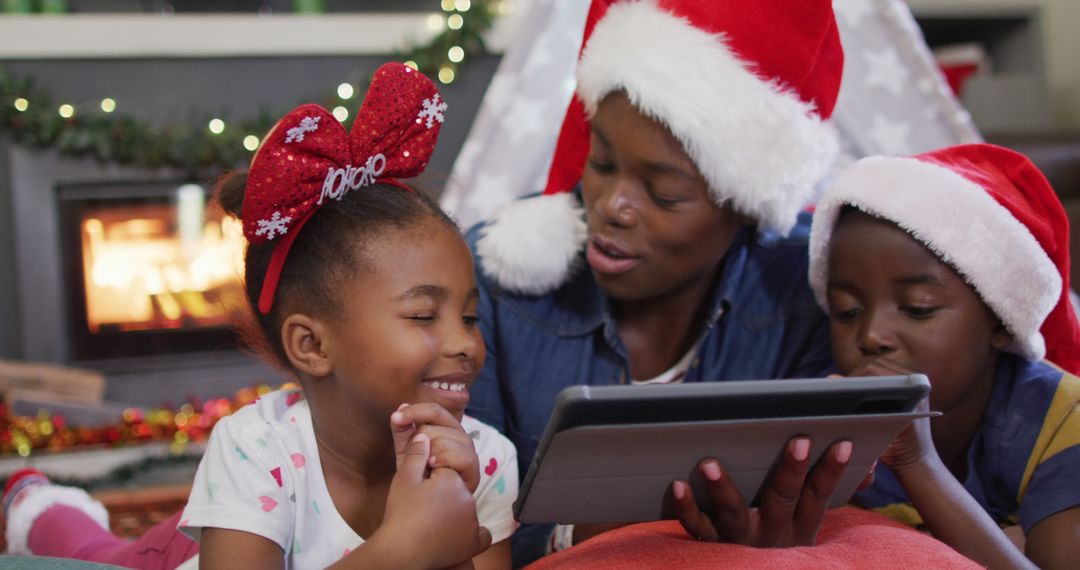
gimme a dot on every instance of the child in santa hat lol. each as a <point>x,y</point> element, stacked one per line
<point>955,263</point>
<point>668,244</point>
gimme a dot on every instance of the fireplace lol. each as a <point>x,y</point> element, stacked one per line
<point>149,268</point>
<point>165,348</point>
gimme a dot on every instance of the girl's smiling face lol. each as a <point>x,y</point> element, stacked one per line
<point>889,296</point>
<point>407,331</point>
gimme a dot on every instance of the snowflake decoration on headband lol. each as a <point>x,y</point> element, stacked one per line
<point>287,183</point>
<point>432,111</point>
<point>307,125</point>
<point>275,226</point>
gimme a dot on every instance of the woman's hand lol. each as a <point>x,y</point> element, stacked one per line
<point>430,519</point>
<point>793,503</point>
<point>450,446</point>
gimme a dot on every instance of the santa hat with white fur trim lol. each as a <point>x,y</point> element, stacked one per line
<point>987,212</point>
<point>745,85</point>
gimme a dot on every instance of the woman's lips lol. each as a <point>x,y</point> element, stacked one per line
<point>608,258</point>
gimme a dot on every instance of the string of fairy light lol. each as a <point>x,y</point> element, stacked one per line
<point>97,128</point>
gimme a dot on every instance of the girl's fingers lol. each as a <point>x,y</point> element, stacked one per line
<point>412,464</point>
<point>440,432</point>
<point>460,457</point>
<point>425,414</point>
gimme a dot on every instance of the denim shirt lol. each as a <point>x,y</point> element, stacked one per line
<point>763,323</point>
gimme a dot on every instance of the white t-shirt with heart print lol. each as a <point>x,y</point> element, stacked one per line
<point>261,474</point>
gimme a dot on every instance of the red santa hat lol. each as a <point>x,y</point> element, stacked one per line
<point>745,85</point>
<point>987,212</point>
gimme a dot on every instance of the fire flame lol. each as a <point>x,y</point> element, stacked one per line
<point>140,274</point>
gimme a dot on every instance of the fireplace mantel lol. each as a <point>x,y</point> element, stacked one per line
<point>103,36</point>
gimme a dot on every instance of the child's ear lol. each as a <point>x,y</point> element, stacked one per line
<point>1001,337</point>
<point>306,345</point>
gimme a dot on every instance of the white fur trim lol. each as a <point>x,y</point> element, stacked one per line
<point>530,246</point>
<point>962,224</point>
<point>757,144</point>
<point>22,515</point>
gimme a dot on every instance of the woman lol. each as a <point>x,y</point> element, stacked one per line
<point>697,135</point>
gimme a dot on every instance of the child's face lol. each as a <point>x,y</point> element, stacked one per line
<point>889,296</point>
<point>408,330</point>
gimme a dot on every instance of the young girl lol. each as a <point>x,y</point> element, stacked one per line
<point>364,290</point>
<point>955,264</point>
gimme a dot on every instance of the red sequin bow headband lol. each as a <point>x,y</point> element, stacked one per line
<point>308,159</point>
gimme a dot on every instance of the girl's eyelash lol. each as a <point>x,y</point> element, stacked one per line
<point>471,320</point>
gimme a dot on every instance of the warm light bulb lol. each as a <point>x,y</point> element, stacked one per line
<point>341,113</point>
<point>446,75</point>
<point>66,111</point>
<point>108,105</point>
<point>412,64</point>
<point>217,126</point>
<point>456,54</point>
<point>251,142</point>
<point>345,91</point>
<point>435,22</point>
<point>21,104</point>
<point>455,21</point>
<point>462,5</point>
<point>447,5</point>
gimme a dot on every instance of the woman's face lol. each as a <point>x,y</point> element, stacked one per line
<point>654,230</point>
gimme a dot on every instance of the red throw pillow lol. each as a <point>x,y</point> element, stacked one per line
<point>849,537</point>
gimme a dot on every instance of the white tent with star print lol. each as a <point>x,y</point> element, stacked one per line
<point>893,100</point>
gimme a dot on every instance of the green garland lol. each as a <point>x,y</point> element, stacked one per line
<point>31,116</point>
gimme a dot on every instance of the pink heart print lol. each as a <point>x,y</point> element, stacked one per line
<point>276,472</point>
<point>268,504</point>
<point>491,467</point>
<point>292,398</point>
<point>298,460</point>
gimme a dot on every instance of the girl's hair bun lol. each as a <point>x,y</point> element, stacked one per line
<point>229,192</point>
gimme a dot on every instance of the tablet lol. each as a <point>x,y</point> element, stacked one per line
<point>609,452</point>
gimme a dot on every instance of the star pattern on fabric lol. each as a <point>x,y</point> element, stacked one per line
<point>525,118</point>
<point>890,137</point>
<point>884,69</point>
<point>496,185</point>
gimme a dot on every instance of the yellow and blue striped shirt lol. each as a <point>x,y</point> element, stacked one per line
<point>1024,462</point>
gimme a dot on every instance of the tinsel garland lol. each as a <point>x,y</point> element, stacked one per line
<point>29,114</point>
<point>192,422</point>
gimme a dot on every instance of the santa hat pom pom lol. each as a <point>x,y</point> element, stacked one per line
<point>532,246</point>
